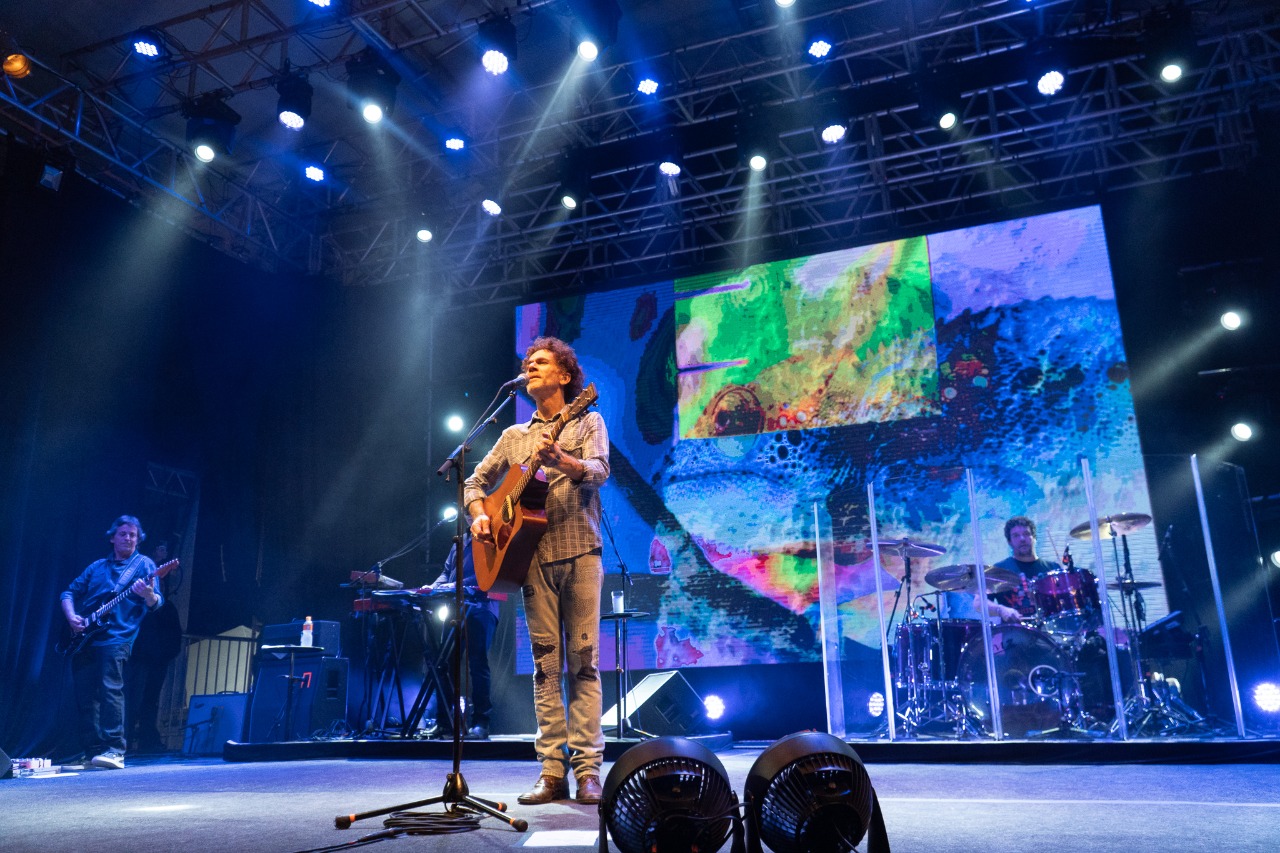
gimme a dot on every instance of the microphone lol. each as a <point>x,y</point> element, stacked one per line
<point>519,382</point>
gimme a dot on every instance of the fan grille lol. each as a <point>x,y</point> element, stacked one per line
<point>818,804</point>
<point>671,805</point>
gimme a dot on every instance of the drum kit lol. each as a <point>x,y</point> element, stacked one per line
<point>1051,668</point>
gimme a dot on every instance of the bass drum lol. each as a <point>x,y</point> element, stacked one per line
<point>1028,667</point>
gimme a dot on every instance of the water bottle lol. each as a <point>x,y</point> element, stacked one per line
<point>308,631</point>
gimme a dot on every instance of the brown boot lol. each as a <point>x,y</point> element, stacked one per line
<point>546,790</point>
<point>588,789</point>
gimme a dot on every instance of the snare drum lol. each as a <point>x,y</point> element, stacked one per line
<point>1068,601</point>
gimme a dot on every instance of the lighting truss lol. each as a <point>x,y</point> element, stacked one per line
<point>893,176</point>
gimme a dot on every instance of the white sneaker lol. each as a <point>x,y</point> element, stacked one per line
<point>110,760</point>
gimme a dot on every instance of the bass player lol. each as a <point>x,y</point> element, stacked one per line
<point>562,588</point>
<point>98,668</point>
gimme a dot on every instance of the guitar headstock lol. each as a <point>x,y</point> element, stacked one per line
<point>163,570</point>
<point>585,400</point>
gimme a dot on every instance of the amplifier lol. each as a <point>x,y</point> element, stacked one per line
<point>212,720</point>
<point>318,699</point>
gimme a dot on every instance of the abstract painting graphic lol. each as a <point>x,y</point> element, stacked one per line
<point>741,404</point>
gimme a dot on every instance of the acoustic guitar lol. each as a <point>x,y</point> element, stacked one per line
<point>73,642</point>
<point>517,514</point>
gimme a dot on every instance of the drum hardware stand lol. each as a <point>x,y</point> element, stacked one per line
<point>456,796</point>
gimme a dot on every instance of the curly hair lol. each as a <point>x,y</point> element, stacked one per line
<point>566,360</point>
<point>1019,521</point>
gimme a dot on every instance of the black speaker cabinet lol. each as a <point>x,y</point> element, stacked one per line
<point>663,703</point>
<point>325,635</point>
<point>317,700</point>
<point>212,720</point>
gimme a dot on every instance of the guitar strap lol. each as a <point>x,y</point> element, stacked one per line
<point>126,576</point>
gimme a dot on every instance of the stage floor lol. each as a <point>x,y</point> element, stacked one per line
<point>278,806</point>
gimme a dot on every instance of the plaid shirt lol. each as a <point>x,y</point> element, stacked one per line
<point>573,509</point>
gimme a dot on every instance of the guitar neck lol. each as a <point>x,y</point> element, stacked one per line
<point>534,467</point>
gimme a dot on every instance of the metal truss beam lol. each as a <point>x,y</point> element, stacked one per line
<point>1119,128</point>
<point>123,155</point>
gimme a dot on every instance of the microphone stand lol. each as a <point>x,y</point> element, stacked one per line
<point>456,796</point>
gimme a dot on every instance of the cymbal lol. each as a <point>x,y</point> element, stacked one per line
<point>1130,586</point>
<point>964,577</point>
<point>1111,526</point>
<point>907,548</point>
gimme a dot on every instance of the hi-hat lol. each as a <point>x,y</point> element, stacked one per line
<point>963,577</point>
<point>907,548</point>
<point>1111,526</point>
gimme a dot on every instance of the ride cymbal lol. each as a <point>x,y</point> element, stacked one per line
<point>1111,526</point>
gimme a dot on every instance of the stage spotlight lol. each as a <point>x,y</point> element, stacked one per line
<point>211,126</point>
<point>875,704</point>
<point>1241,431</point>
<point>715,707</point>
<point>323,4</point>
<point>455,143</point>
<point>1050,82</point>
<point>16,64</point>
<point>454,423</point>
<point>670,168</point>
<point>819,48</point>
<point>497,36</point>
<point>594,26</point>
<point>1046,66</point>
<point>449,513</point>
<point>1231,320</point>
<point>668,794</point>
<point>314,173</point>
<point>149,44</point>
<point>372,84</point>
<point>1267,697</point>
<point>756,137</point>
<point>491,207</point>
<point>1170,42</point>
<point>809,791</point>
<point>575,179</point>
<point>647,86</point>
<point>293,107</point>
<point>784,4</point>
<point>1275,558</point>
<point>833,133</point>
<point>939,97</point>
<point>423,235</point>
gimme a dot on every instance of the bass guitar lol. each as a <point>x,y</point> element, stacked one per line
<point>518,516</point>
<point>74,641</point>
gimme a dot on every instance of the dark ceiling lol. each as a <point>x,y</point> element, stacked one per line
<point>723,65</point>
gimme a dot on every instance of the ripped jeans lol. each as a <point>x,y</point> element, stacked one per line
<point>562,607</point>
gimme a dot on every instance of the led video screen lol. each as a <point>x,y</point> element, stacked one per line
<point>737,403</point>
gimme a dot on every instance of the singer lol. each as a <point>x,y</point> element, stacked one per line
<point>562,589</point>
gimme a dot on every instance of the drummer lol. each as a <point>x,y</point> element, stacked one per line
<point>1018,603</point>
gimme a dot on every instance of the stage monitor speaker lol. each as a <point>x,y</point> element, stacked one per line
<point>319,698</point>
<point>6,765</point>
<point>663,703</point>
<point>325,635</point>
<point>212,720</point>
